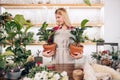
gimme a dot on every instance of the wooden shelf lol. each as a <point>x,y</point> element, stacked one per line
<point>86,43</point>
<point>98,24</point>
<point>35,6</point>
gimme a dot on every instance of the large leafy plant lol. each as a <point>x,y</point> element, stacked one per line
<point>45,34</point>
<point>16,36</point>
<point>78,33</point>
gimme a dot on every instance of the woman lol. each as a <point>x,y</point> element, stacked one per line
<point>62,39</point>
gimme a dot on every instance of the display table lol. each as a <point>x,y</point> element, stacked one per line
<point>60,68</point>
<point>65,67</point>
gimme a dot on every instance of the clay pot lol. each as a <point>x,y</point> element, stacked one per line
<point>74,49</point>
<point>51,47</point>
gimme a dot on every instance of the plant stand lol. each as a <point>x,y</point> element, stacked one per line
<point>103,44</point>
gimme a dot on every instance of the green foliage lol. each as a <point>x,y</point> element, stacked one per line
<point>2,62</point>
<point>87,2</point>
<point>35,70</point>
<point>99,40</point>
<point>78,32</point>
<point>114,54</point>
<point>5,17</point>
<point>96,55</point>
<point>45,34</point>
<point>15,34</point>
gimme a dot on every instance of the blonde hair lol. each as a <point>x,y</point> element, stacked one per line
<point>63,13</point>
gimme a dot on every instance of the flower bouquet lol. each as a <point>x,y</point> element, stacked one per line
<point>42,73</point>
<point>107,57</point>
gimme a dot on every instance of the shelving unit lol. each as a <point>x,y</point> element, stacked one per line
<point>86,43</point>
<point>97,7</point>
<point>94,24</point>
<point>102,44</point>
<point>32,6</point>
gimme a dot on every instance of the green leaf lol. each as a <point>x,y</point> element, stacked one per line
<point>44,26</point>
<point>83,23</point>
<point>27,28</point>
<point>20,19</point>
<point>87,2</point>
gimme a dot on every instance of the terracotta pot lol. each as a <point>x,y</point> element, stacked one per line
<point>47,47</point>
<point>74,49</point>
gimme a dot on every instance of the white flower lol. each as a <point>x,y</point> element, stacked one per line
<point>44,75</point>
<point>56,76</point>
<point>65,78</point>
<point>9,59</point>
<point>50,74</point>
<point>64,73</point>
<point>25,78</point>
<point>37,76</point>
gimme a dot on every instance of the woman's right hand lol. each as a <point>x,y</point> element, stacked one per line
<point>76,55</point>
<point>48,53</point>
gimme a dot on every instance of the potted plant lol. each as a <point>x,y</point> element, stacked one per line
<point>16,36</point>
<point>78,38</point>
<point>108,57</point>
<point>47,36</point>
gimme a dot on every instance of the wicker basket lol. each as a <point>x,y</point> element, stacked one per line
<point>78,74</point>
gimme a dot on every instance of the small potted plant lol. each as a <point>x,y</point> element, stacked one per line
<point>47,36</point>
<point>78,38</point>
<point>38,58</point>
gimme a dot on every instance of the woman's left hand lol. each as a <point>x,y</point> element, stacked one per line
<point>76,55</point>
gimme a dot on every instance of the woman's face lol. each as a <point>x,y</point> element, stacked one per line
<point>59,19</point>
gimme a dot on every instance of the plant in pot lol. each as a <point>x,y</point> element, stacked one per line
<point>47,36</point>
<point>17,37</point>
<point>78,38</point>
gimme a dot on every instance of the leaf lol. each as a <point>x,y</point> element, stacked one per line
<point>83,23</point>
<point>44,26</point>
<point>19,19</point>
<point>27,28</point>
<point>87,2</point>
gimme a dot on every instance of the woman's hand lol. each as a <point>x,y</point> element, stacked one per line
<point>76,55</point>
<point>48,53</point>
